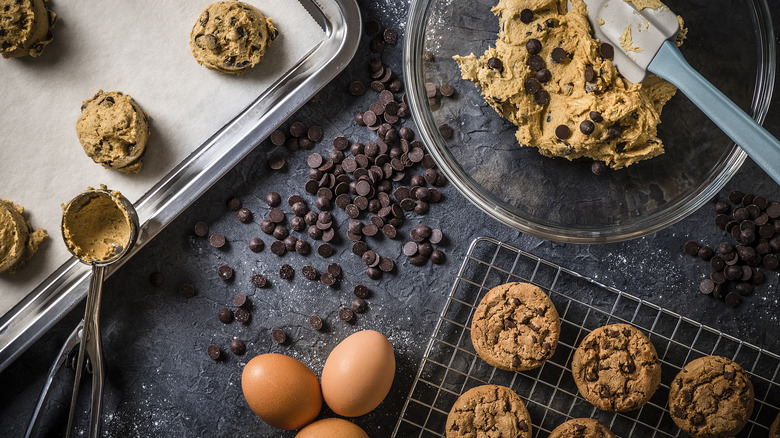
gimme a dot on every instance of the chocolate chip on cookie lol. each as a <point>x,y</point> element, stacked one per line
<point>582,428</point>
<point>711,397</point>
<point>515,327</point>
<point>616,368</point>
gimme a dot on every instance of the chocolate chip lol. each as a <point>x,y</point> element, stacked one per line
<point>533,46</point>
<point>390,36</point>
<point>493,63</point>
<point>359,305</point>
<point>562,132</point>
<point>373,27</point>
<point>587,127</point>
<point>346,314</point>
<point>706,286</point>
<point>606,51</point>
<point>559,55</point>
<point>535,63</point>
<point>357,88</point>
<point>334,269</point>
<point>279,336</point>
<point>598,168</point>
<point>238,347</point>
<point>276,162</point>
<point>733,299</point>
<point>241,300</point>
<point>590,74</point>
<point>315,322</point>
<point>446,132</point>
<point>187,290</point>
<point>259,280</point>
<point>325,250</point>
<point>217,240</point>
<point>446,90</point>
<point>201,229</point>
<point>214,352</point>
<point>531,85</point>
<point>526,16</point>
<point>596,116</point>
<point>542,97</point>
<point>614,131</point>
<point>225,272</point>
<point>438,257</point>
<point>543,75</point>
<point>234,204</point>
<point>373,273</point>
<point>225,315</point>
<point>244,215</point>
<point>286,272</point>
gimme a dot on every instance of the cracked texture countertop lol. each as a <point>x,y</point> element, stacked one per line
<point>159,380</point>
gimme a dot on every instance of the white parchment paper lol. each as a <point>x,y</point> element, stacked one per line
<point>139,47</point>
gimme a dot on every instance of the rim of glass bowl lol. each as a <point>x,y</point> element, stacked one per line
<point>718,177</point>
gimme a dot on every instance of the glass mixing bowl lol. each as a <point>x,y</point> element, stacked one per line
<point>730,42</point>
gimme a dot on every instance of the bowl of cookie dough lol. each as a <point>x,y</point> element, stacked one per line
<point>548,138</point>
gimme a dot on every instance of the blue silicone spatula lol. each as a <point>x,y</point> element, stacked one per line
<point>648,46</point>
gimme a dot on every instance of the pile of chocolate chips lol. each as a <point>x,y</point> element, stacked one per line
<point>754,225</point>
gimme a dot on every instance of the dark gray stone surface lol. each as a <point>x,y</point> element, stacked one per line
<point>160,381</point>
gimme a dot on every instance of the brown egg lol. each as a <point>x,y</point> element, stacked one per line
<point>281,390</point>
<point>332,428</point>
<point>358,373</point>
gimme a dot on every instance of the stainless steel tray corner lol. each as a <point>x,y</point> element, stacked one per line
<point>67,286</point>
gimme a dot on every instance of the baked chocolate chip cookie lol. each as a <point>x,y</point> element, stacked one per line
<point>616,368</point>
<point>582,428</point>
<point>25,27</point>
<point>231,37</point>
<point>774,429</point>
<point>515,327</point>
<point>113,130</point>
<point>711,397</point>
<point>489,410</point>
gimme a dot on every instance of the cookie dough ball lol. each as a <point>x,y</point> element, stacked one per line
<point>711,397</point>
<point>616,368</point>
<point>113,130</point>
<point>231,37</point>
<point>18,241</point>
<point>25,27</point>
<point>582,428</point>
<point>489,411</point>
<point>515,327</point>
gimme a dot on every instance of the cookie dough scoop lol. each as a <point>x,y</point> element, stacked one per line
<point>99,227</point>
<point>643,40</point>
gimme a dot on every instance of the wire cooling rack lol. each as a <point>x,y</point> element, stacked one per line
<point>450,366</point>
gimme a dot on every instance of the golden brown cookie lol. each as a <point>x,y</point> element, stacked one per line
<point>25,27</point>
<point>18,240</point>
<point>774,429</point>
<point>582,428</point>
<point>231,37</point>
<point>711,397</point>
<point>113,130</point>
<point>515,327</point>
<point>489,411</point>
<point>616,368</point>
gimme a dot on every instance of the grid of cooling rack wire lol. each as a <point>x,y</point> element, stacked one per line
<point>450,366</point>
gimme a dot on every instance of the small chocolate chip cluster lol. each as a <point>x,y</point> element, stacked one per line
<point>226,315</point>
<point>319,226</point>
<point>754,225</point>
<point>420,249</point>
<point>300,137</point>
<point>329,277</point>
<point>434,94</point>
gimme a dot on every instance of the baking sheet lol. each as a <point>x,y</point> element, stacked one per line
<point>140,48</point>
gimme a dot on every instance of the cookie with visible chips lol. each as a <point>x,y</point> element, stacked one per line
<point>711,397</point>
<point>25,27</point>
<point>489,410</point>
<point>231,37</point>
<point>582,428</point>
<point>515,327</point>
<point>616,368</point>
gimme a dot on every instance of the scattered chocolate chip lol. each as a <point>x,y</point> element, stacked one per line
<point>276,162</point>
<point>225,315</point>
<point>315,322</point>
<point>606,51</point>
<point>244,215</point>
<point>238,347</point>
<point>217,240</point>
<point>201,229</point>
<point>214,352</point>
<point>286,272</point>
<point>533,46</point>
<point>242,315</point>
<point>598,168</point>
<point>259,280</point>
<point>187,290</point>
<point>325,250</point>
<point>390,36</point>
<point>361,291</point>
<point>279,336</point>
<point>156,279</point>
<point>359,305</point>
<point>225,272</point>
<point>234,204</point>
<point>587,127</point>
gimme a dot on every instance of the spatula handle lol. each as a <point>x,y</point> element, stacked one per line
<point>762,146</point>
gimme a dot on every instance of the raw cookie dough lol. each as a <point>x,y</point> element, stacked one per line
<point>515,327</point>
<point>113,130</point>
<point>489,411</point>
<point>231,37</point>
<point>18,241</point>
<point>547,96</point>
<point>582,428</point>
<point>25,27</point>
<point>616,368</point>
<point>711,397</point>
<point>95,228</point>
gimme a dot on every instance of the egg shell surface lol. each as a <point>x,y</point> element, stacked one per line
<point>332,428</point>
<point>281,390</point>
<point>358,373</point>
